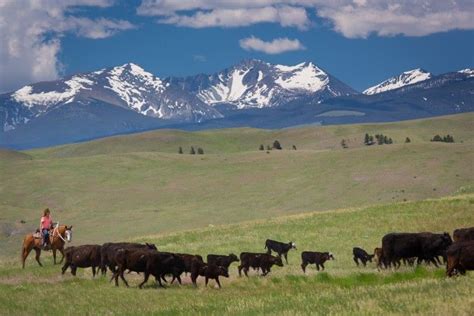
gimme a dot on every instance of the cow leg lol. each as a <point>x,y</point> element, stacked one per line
<point>73,270</point>
<point>218,283</point>
<point>37,256</point>
<point>93,271</point>
<point>322,265</point>
<point>286,257</point>
<point>240,270</point>
<point>246,270</point>
<point>122,277</point>
<point>356,261</point>
<point>303,266</point>
<point>163,278</point>
<point>434,262</point>
<point>207,280</point>
<point>364,261</point>
<point>317,266</point>
<point>145,280</point>
<point>437,260</point>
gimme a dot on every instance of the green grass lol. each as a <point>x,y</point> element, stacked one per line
<point>342,289</point>
<point>122,187</point>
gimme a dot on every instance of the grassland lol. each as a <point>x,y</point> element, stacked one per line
<point>123,187</point>
<point>342,289</point>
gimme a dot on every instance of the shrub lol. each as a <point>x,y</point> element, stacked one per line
<point>192,151</point>
<point>200,151</point>
<point>277,145</point>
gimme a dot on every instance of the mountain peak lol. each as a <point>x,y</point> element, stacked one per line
<point>404,79</point>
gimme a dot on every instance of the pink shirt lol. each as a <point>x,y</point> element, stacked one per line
<point>46,222</point>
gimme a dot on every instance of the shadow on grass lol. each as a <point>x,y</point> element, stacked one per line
<point>365,279</point>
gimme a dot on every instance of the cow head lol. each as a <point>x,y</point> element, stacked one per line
<point>151,246</point>
<point>277,261</point>
<point>292,244</point>
<point>447,241</point>
<point>330,256</point>
<point>233,258</point>
<point>223,271</point>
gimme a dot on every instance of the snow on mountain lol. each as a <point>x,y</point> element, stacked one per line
<point>257,84</point>
<point>468,71</point>
<point>404,79</point>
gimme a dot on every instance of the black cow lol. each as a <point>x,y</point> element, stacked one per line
<point>314,257</point>
<point>280,248</point>
<point>160,264</point>
<point>257,261</point>
<point>108,250</point>
<point>84,256</point>
<point>460,257</point>
<point>187,265</point>
<point>209,271</point>
<point>463,234</point>
<point>221,260</point>
<point>424,246</point>
<point>361,255</point>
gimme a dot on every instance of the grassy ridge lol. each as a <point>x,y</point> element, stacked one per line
<point>343,288</point>
<point>249,139</point>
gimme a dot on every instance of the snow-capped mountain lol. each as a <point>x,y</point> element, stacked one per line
<point>126,99</point>
<point>128,86</point>
<point>404,79</point>
<point>257,84</point>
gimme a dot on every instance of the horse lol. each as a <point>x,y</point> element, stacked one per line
<point>58,237</point>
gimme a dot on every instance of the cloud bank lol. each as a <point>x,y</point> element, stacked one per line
<point>351,18</point>
<point>31,31</point>
<point>276,46</point>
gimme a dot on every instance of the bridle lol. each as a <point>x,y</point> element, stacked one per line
<point>59,234</point>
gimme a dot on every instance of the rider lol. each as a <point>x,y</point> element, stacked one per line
<point>45,225</point>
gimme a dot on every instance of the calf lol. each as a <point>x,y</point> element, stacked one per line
<point>280,248</point>
<point>84,256</point>
<point>209,271</point>
<point>460,258</point>
<point>257,261</point>
<point>314,257</point>
<point>187,261</point>
<point>463,234</point>
<point>221,260</point>
<point>362,255</point>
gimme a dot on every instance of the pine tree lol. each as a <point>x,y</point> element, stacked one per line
<point>192,152</point>
<point>343,144</point>
<point>276,145</point>
<point>294,147</point>
<point>437,138</point>
<point>367,139</point>
<point>268,147</point>
<point>379,139</point>
<point>385,140</point>
<point>261,147</point>
<point>390,141</point>
<point>200,151</point>
<point>407,140</point>
<point>180,150</point>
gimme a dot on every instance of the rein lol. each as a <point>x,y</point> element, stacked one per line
<point>57,230</point>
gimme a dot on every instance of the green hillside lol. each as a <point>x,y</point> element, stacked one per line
<point>122,187</point>
<point>342,289</point>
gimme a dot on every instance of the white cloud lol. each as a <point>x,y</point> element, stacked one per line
<point>31,31</point>
<point>276,46</point>
<point>352,18</point>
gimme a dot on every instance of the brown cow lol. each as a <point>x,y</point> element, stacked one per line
<point>318,258</point>
<point>463,234</point>
<point>257,261</point>
<point>460,258</point>
<point>84,256</point>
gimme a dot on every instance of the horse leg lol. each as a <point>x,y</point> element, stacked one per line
<point>37,257</point>
<point>54,255</point>
<point>61,250</point>
<point>25,252</point>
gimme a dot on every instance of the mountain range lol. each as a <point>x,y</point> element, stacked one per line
<point>126,99</point>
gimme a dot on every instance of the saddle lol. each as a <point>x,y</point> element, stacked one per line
<point>37,234</point>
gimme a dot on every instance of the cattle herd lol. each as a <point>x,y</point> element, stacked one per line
<point>397,248</point>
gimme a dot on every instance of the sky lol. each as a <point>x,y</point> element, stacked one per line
<point>361,42</point>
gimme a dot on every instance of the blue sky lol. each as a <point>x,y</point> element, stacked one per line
<point>362,44</point>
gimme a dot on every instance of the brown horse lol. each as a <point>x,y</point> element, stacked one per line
<point>57,239</point>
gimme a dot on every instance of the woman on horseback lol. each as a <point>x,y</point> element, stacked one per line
<point>45,225</point>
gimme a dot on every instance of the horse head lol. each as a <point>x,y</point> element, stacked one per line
<point>68,232</point>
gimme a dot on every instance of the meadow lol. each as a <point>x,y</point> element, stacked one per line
<point>127,186</point>
<point>343,288</point>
